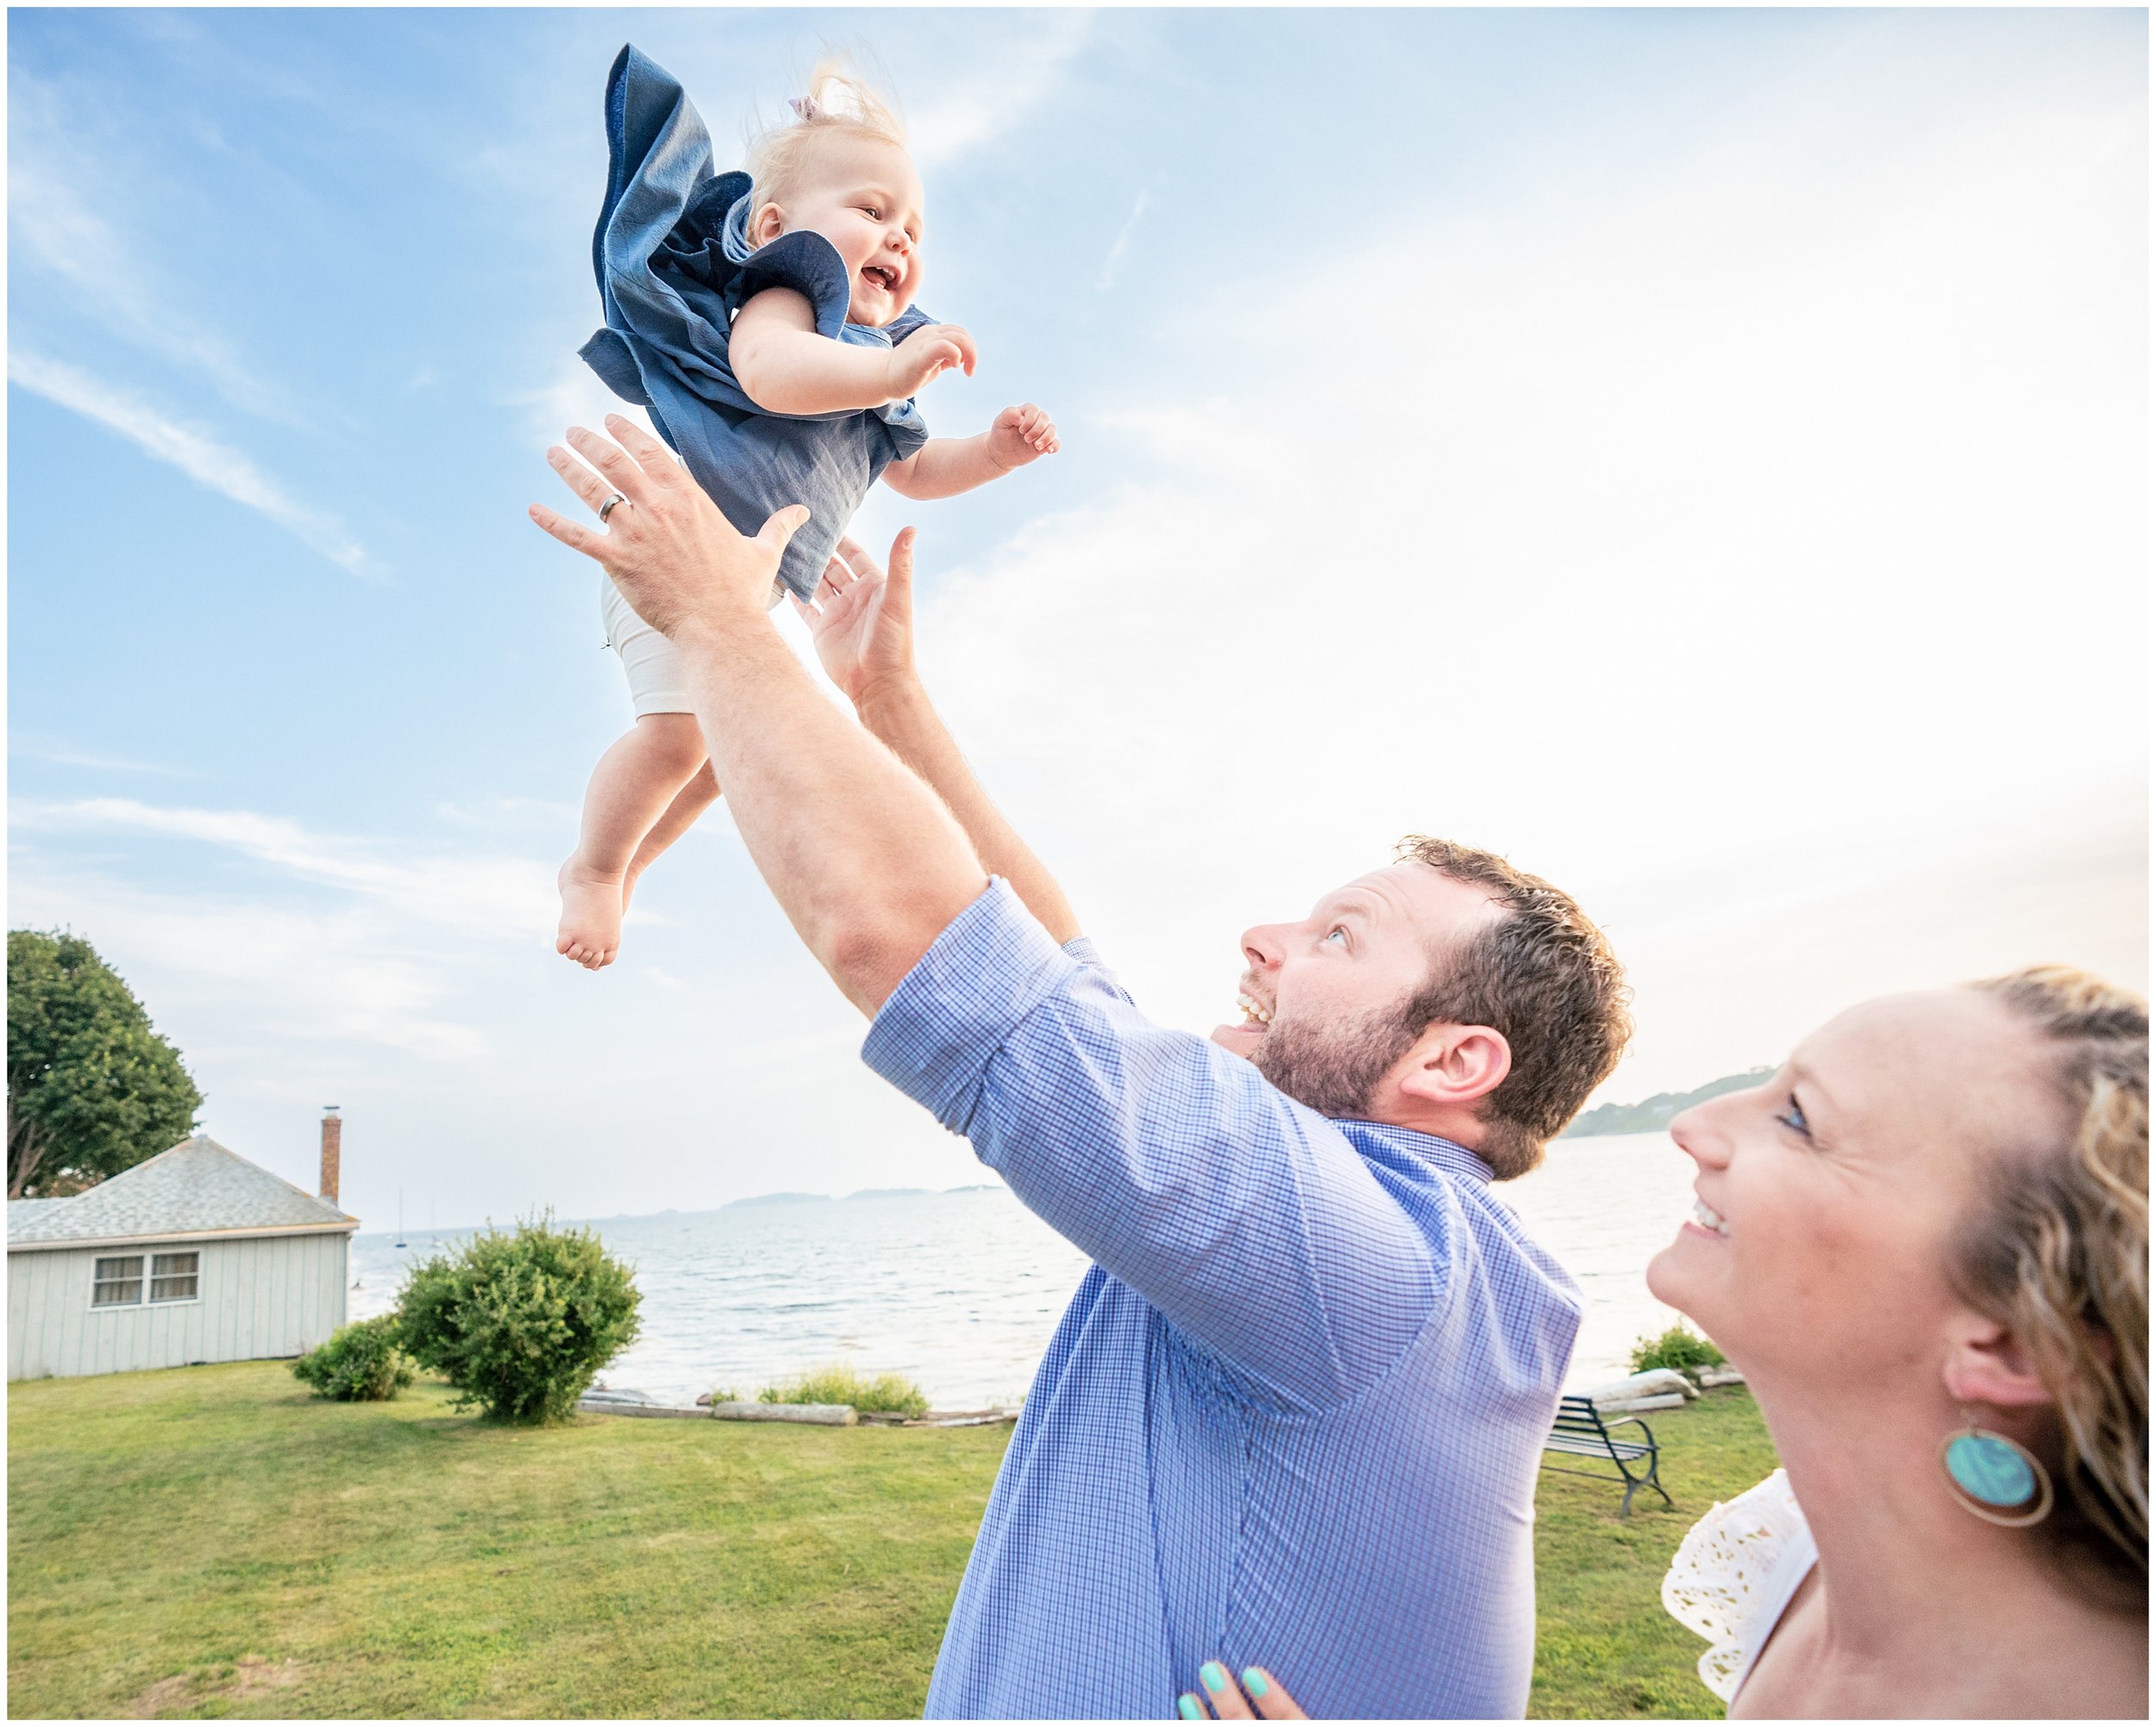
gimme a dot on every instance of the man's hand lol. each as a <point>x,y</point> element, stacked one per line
<point>930,349</point>
<point>1020,436</point>
<point>679,562</point>
<point>863,620</point>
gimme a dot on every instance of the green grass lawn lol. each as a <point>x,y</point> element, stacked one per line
<point>213,1540</point>
<point>1604,1646</point>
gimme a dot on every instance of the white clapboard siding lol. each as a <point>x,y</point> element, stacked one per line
<point>259,1297</point>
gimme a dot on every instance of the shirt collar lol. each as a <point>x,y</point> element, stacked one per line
<point>1443,1154</point>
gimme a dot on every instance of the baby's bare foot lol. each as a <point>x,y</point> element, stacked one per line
<point>591,917</point>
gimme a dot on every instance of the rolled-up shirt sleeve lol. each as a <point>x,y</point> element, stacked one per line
<point>1249,1221</point>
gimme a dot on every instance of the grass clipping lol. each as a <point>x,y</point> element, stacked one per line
<point>886,1394</point>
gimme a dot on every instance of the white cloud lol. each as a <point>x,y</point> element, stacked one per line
<point>1119,248</point>
<point>65,755</point>
<point>193,450</point>
<point>1796,495</point>
<point>329,982</point>
<point>1006,86</point>
<point>495,897</point>
<point>54,150</point>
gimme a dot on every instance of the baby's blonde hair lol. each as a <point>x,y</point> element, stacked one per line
<point>2057,1251</point>
<point>840,103</point>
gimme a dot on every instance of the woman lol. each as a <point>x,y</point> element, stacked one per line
<point>1926,1242</point>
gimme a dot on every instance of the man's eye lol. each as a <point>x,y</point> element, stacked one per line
<point>1792,1117</point>
<point>1339,929</point>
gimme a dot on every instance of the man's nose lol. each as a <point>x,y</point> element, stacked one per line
<point>1262,946</point>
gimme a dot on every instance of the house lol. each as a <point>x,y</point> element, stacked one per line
<point>196,1256</point>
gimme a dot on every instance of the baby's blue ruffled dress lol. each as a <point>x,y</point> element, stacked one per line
<point>674,264</point>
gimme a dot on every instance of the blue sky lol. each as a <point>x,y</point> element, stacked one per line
<point>1699,453</point>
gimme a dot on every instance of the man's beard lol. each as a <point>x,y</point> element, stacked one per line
<point>1334,1070</point>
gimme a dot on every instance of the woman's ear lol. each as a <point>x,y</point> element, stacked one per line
<point>1985,1363</point>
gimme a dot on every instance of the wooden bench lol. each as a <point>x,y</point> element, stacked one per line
<point>1580,1431</point>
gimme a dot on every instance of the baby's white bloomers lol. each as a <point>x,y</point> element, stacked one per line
<point>656,682</point>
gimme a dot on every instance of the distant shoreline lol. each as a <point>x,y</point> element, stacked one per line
<point>1653,1114</point>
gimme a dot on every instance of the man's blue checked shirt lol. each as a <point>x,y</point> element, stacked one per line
<point>1293,1413</point>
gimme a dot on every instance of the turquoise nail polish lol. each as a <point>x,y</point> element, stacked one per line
<point>1253,1682</point>
<point>1187,1706</point>
<point>1214,1675</point>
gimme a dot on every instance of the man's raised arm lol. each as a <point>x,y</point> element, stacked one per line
<point>1248,1220</point>
<point>867,863</point>
<point>863,626</point>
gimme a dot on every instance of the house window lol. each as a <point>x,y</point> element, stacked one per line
<point>118,1282</point>
<point>173,1277</point>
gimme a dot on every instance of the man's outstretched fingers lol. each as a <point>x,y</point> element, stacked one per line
<point>578,478</point>
<point>781,525</point>
<point>651,455</point>
<point>612,460</point>
<point>902,560</point>
<point>574,535</point>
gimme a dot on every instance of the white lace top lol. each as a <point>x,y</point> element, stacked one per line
<point>1734,1575</point>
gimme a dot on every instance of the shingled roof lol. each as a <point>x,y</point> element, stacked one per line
<point>197,1188</point>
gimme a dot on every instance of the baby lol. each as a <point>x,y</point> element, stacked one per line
<point>767,320</point>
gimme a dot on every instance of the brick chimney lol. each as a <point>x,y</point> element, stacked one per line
<point>332,1151</point>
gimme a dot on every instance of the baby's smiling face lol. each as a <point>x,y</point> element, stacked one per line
<point>862,195</point>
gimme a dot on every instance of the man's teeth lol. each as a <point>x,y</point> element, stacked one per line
<point>1709,1218</point>
<point>1263,1016</point>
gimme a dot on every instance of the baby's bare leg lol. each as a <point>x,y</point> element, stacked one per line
<point>635,784</point>
<point>690,802</point>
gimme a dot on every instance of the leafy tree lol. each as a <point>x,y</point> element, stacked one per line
<point>93,1089</point>
<point>519,1324</point>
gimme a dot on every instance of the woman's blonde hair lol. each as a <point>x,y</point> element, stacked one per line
<point>2058,1251</point>
<point>839,103</point>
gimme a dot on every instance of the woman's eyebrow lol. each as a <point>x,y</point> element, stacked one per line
<point>1801,1075</point>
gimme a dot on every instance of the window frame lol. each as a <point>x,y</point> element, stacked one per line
<point>145,1279</point>
<point>140,1281</point>
<point>193,1275</point>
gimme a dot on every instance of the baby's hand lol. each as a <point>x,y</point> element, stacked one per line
<point>1020,436</point>
<point>930,349</point>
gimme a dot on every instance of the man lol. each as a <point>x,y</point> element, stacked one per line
<point>1294,1412</point>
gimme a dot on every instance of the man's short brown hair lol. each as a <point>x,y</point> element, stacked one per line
<point>1544,977</point>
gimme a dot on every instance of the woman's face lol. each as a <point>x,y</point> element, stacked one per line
<point>1833,1191</point>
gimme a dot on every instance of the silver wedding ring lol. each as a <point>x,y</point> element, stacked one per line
<point>606,509</point>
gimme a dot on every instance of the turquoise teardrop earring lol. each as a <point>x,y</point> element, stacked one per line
<point>1993,1478</point>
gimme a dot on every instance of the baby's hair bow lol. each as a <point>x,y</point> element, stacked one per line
<point>804,108</point>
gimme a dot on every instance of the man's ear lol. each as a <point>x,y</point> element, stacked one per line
<point>1456,1066</point>
<point>1985,1363</point>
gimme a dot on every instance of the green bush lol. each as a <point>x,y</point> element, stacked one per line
<point>886,1394</point>
<point>520,1323</point>
<point>360,1364</point>
<point>1679,1348</point>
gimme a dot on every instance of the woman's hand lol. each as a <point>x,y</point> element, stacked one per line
<point>1228,1702</point>
<point>676,560</point>
<point>863,620</point>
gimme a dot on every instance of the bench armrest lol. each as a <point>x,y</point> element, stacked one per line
<point>1632,1421</point>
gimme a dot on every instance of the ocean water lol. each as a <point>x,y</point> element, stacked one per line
<point>961,1290</point>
